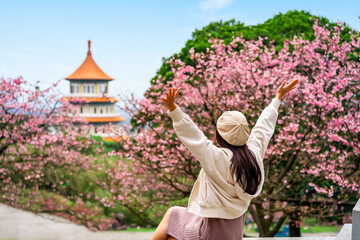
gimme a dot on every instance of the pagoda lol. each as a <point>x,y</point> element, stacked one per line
<point>89,88</point>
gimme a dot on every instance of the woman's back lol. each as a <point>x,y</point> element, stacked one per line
<point>212,195</point>
<point>217,202</point>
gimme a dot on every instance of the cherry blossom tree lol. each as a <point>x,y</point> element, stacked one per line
<point>42,144</point>
<point>312,163</point>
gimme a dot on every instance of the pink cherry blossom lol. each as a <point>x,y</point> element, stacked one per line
<point>313,156</point>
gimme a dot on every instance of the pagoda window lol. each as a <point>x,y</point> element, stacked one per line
<point>101,110</point>
<point>77,88</point>
<point>88,109</point>
<point>107,109</point>
<point>102,89</point>
<point>71,88</point>
<point>93,89</point>
<point>84,89</point>
<point>88,89</point>
<point>81,109</point>
<point>94,109</point>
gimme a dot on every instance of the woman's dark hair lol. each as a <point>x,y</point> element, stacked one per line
<point>243,165</point>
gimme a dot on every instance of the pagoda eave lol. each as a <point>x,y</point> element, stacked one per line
<point>104,119</point>
<point>89,99</point>
<point>114,138</point>
<point>89,78</point>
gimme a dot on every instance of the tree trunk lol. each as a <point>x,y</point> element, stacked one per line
<point>266,227</point>
<point>294,224</point>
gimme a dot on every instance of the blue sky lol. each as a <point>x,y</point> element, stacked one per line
<point>47,40</point>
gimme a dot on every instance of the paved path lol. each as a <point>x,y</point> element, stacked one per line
<point>16,224</point>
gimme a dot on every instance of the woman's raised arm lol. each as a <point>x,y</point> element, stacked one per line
<point>264,128</point>
<point>190,135</point>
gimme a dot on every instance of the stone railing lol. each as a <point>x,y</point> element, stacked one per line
<point>351,231</point>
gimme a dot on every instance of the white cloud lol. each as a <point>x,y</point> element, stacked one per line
<point>214,4</point>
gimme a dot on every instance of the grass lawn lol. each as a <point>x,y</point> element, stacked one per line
<point>304,229</point>
<point>319,229</point>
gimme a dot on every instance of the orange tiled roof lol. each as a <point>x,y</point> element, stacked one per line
<point>89,99</point>
<point>104,119</point>
<point>89,70</point>
<point>115,138</point>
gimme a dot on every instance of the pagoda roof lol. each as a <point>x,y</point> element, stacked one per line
<point>89,70</point>
<point>115,138</point>
<point>90,99</point>
<point>104,119</point>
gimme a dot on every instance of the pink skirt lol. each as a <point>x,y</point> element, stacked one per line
<point>187,226</point>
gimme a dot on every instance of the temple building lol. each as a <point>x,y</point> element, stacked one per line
<point>89,88</point>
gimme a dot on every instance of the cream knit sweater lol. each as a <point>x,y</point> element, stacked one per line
<point>215,194</point>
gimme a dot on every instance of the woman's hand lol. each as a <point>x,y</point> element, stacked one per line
<point>169,99</point>
<point>282,90</point>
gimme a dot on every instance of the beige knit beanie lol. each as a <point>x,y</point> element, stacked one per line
<point>233,127</point>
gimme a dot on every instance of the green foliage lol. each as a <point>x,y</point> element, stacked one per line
<point>107,145</point>
<point>280,28</point>
<point>42,201</point>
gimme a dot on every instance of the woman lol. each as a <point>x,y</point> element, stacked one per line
<point>231,174</point>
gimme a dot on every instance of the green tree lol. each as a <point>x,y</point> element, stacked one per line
<point>278,29</point>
